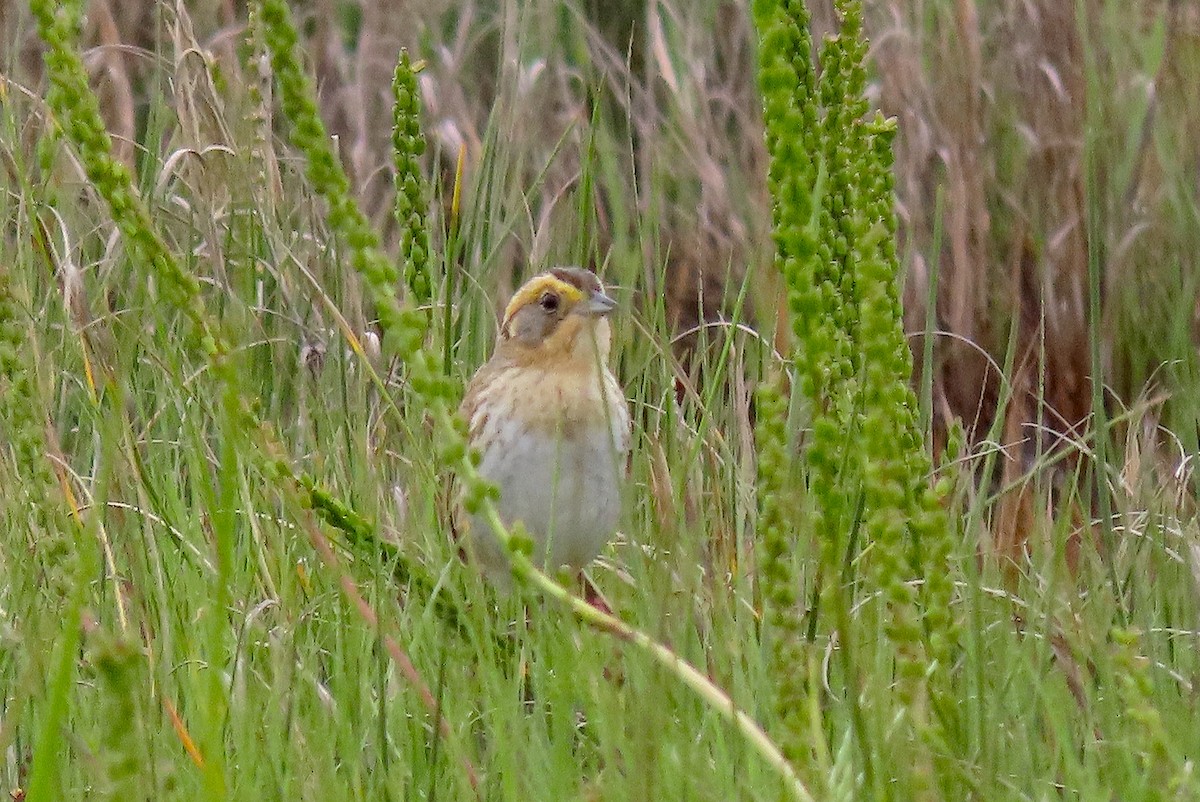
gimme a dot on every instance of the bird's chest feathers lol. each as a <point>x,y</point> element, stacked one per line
<point>550,405</point>
<point>565,407</point>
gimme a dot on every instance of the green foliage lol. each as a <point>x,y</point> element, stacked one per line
<point>78,114</point>
<point>38,511</point>
<point>403,327</point>
<point>174,624</point>
<point>435,391</point>
<point>1167,774</point>
<point>117,670</point>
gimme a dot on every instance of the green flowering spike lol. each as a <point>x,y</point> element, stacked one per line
<point>797,177</point>
<point>778,511</point>
<point>18,396</point>
<point>22,434</point>
<point>841,89</point>
<point>929,524</point>
<point>835,232</point>
<point>408,144</point>
<point>887,480</point>
<point>790,111</point>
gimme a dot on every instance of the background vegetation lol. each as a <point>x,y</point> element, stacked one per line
<point>175,624</point>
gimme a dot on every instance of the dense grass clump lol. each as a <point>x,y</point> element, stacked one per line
<point>229,452</point>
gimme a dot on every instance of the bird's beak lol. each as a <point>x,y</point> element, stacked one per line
<point>600,305</point>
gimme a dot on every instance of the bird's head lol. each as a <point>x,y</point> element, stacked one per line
<point>547,316</point>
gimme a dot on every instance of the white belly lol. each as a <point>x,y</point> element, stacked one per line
<point>564,489</point>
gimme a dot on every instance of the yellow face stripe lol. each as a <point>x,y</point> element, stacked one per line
<point>536,286</point>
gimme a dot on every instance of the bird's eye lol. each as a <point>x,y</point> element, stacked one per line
<point>549,302</point>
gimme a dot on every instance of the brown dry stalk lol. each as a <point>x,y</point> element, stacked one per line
<point>385,30</point>
<point>116,90</point>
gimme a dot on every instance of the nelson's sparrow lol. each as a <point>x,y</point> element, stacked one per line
<point>551,424</point>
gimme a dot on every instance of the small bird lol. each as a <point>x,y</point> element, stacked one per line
<point>551,425</point>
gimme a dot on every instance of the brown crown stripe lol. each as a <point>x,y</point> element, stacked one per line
<point>577,277</point>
